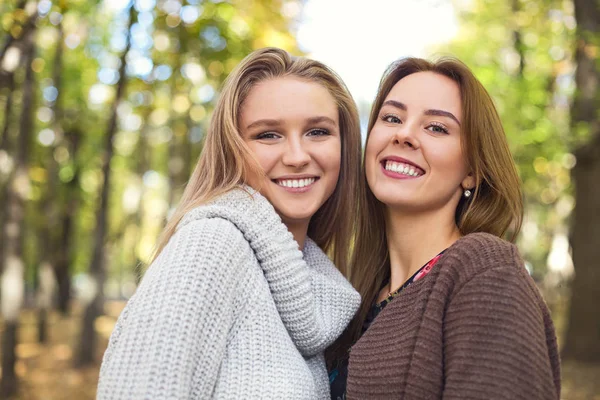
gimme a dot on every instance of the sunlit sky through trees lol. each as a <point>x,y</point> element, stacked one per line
<point>360,39</point>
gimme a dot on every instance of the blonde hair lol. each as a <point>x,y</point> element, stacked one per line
<point>495,206</point>
<point>226,161</point>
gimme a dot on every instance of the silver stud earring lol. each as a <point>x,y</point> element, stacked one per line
<point>467,193</point>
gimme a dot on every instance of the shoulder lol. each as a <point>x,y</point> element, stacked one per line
<point>477,254</point>
<point>486,273</point>
<point>200,243</point>
<point>247,210</point>
<point>212,230</point>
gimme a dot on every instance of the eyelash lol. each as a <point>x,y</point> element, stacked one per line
<point>386,116</point>
<point>264,135</point>
<point>322,132</point>
<point>444,130</point>
<point>433,124</point>
<point>273,135</point>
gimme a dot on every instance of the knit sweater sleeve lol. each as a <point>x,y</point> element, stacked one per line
<point>171,337</point>
<point>495,339</point>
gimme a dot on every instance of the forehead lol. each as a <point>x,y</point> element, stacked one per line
<point>288,98</point>
<point>427,90</point>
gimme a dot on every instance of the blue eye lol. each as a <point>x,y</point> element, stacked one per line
<point>267,136</point>
<point>437,128</point>
<point>391,118</point>
<point>318,132</point>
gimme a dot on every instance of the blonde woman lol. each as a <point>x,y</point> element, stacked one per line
<point>242,300</point>
<point>448,309</point>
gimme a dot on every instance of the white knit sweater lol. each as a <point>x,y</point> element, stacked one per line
<point>230,309</point>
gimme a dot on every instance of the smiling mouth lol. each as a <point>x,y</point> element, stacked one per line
<point>402,168</point>
<point>295,183</point>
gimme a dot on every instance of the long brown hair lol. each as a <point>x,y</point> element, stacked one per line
<point>495,206</point>
<point>226,161</point>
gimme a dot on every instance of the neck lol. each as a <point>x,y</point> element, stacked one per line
<point>299,230</point>
<point>415,238</point>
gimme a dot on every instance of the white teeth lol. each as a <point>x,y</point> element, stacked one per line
<point>401,168</point>
<point>296,183</point>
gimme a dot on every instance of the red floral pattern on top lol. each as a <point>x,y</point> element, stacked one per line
<point>424,270</point>
<point>428,267</point>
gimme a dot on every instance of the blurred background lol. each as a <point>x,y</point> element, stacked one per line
<point>104,104</point>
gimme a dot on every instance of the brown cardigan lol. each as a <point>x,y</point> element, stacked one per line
<point>475,327</point>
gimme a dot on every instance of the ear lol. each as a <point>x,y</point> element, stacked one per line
<point>468,182</point>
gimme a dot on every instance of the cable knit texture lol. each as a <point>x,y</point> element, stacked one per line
<point>230,309</point>
<point>475,327</point>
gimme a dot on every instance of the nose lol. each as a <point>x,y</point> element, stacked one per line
<point>296,155</point>
<point>406,136</point>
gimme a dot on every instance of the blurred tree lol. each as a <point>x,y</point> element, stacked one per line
<point>20,21</point>
<point>583,332</point>
<point>97,270</point>
<point>520,50</point>
<point>49,202</point>
<point>13,260</point>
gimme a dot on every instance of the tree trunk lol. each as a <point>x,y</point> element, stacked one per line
<point>583,330</point>
<point>49,203</point>
<point>142,167</point>
<point>7,111</point>
<point>4,147</point>
<point>45,292</point>
<point>518,40</point>
<point>178,148</point>
<point>27,28</point>
<point>97,270</point>
<point>13,272</point>
<point>67,224</point>
<point>8,385</point>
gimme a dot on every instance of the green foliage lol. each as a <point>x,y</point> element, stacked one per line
<point>521,50</point>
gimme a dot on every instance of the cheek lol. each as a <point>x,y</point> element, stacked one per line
<point>449,157</point>
<point>371,151</point>
<point>265,155</point>
<point>330,157</point>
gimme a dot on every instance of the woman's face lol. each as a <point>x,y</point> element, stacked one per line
<point>414,159</point>
<point>292,127</point>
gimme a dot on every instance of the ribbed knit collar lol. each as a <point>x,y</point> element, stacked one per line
<point>313,299</point>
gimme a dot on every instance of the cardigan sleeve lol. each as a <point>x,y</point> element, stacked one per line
<point>171,337</point>
<point>495,339</point>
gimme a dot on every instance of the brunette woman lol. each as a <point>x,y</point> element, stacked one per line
<point>448,309</point>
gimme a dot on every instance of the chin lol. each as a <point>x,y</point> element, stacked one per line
<point>393,200</point>
<point>296,217</point>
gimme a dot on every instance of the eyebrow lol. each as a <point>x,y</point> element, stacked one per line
<point>265,122</point>
<point>321,119</point>
<point>440,113</point>
<point>278,122</point>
